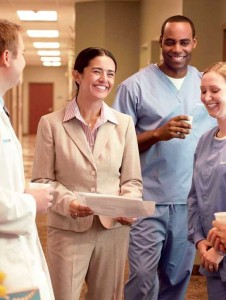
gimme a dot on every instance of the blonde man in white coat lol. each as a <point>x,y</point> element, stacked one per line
<point>21,255</point>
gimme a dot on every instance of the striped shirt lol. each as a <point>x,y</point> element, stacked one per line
<point>106,115</point>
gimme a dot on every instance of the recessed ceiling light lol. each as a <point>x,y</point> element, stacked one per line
<point>46,45</point>
<point>49,58</point>
<point>43,33</point>
<point>29,15</point>
<point>51,64</point>
<point>49,52</point>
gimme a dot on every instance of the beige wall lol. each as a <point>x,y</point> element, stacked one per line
<point>208,17</point>
<point>90,25</point>
<point>113,25</point>
<point>153,14</point>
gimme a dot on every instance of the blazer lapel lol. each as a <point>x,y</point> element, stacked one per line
<point>75,132</point>
<point>103,135</point>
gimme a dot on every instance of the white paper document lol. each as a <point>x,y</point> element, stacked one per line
<point>116,206</point>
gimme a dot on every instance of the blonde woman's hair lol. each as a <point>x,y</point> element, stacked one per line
<point>219,68</point>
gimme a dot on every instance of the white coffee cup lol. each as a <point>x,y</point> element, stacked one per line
<point>38,185</point>
<point>189,122</point>
<point>220,216</point>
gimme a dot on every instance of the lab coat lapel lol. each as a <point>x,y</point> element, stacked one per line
<point>76,133</point>
<point>7,122</point>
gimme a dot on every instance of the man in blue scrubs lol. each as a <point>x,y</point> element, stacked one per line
<point>160,98</point>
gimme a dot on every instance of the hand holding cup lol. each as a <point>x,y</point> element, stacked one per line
<point>42,194</point>
<point>181,128</point>
<point>217,235</point>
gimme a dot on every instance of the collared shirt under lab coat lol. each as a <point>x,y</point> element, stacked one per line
<point>21,255</point>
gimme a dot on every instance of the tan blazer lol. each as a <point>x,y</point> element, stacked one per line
<point>64,158</point>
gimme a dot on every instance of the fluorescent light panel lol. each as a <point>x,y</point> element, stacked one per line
<point>49,52</point>
<point>52,64</point>
<point>43,33</point>
<point>49,58</point>
<point>46,45</point>
<point>41,15</point>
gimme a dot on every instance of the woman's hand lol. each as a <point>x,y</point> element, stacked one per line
<point>126,221</point>
<point>211,260</point>
<point>217,236</point>
<point>79,211</point>
<point>202,247</point>
<point>43,198</point>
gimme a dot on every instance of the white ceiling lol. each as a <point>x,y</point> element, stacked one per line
<point>65,24</point>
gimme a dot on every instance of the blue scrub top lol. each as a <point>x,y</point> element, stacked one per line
<point>208,191</point>
<point>152,99</point>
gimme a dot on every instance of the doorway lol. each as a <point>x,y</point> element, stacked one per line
<point>40,103</point>
<point>224,45</point>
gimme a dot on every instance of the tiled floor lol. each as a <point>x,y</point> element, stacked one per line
<point>196,289</point>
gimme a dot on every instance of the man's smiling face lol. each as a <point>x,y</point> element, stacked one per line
<point>177,44</point>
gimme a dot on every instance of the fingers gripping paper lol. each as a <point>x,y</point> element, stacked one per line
<point>116,206</point>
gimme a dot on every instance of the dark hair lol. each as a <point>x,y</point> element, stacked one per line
<point>85,56</point>
<point>219,68</point>
<point>9,36</point>
<point>179,19</point>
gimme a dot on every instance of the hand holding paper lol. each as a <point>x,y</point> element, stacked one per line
<point>116,206</point>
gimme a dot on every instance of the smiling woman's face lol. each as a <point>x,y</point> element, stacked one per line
<point>213,94</point>
<point>97,78</point>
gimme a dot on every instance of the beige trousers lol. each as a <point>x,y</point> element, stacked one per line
<point>96,256</point>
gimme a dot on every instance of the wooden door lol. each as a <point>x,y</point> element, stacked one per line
<point>40,103</point>
<point>224,46</point>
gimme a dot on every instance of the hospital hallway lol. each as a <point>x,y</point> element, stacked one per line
<point>196,289</point>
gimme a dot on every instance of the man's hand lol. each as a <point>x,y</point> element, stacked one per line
<point>43,198</point>
<point>174,128</point>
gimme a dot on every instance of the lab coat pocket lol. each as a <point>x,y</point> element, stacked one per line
<point>15,264</point>
<point>12,255</point>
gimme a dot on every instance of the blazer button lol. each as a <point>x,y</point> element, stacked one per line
<point>93,189</point>
<point>93,173</point>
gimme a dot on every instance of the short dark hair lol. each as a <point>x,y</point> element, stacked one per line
<point>9,36</point>
<point>85,56</point>
<point>179,19</point>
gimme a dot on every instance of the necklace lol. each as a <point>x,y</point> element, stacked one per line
<point>92,122</point>
<point>219,137</point>
<point>216,133</point>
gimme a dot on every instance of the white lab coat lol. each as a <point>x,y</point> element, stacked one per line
<point>21,255</point>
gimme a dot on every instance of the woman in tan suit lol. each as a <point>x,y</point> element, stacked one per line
<point>88,147</point>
